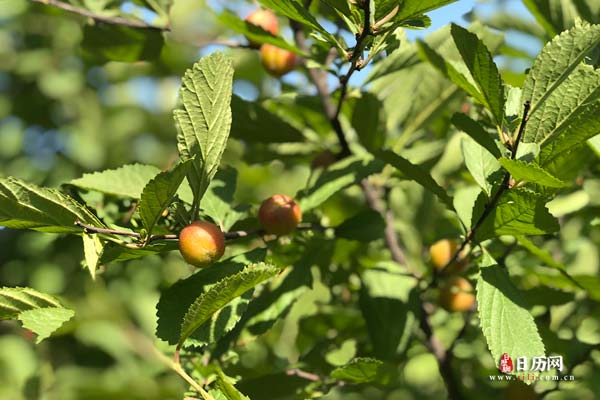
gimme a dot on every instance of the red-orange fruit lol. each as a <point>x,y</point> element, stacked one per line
<point>265,19</point>
<point>277,61</point>
<point>441,253</point>
<point>201,243</point>
<point>456,294</point>
<point>279,214</point>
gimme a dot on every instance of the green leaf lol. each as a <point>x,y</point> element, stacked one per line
<point>365,226</point>
<point>109,42</point>
<point>27,206</point>
<point>417,174</point>
<point>39,312</point>
<point>482,165</point>
<point>483,70</point>
<point>253,123</point>
<point>230,392</point>
<point>295,10</point>
<point>368,120</point>
<point>559,86</point>
<point>222,293</point>
<point>339,176</point>
<point>218,199</point>
<point>254,33</point>
<point>361,370</point>
<point>409,9</point>
<point>388,302</point>
<point>204,119</point>
<point>518,212</point>
<point>530,172</point>
<point>177,299</point>
<point>44,321</point>
<point>555,15</point>
<point>159,193</point>
<point>507,325</point>
<point>477,133</point>
<point>92,251</point>
<point>558,153</point>
<point>451,72</point>
<point>125,181</point>
<point>545,257</point>
<point>469,203</point>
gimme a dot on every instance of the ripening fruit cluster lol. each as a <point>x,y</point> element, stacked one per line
<point>275,60</point>
<point>456,292</point>
<point>202,243</point>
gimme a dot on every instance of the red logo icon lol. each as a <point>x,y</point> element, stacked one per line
<point>506,364</point>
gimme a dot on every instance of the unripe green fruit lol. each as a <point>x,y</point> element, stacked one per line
<point>264,19</point>
<point>201,243</point>
<point>457,295</point>
<point>441,253</point>
<point>279,214</point>
<point>277,61</point>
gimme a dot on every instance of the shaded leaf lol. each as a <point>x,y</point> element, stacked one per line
<point>476,132</point>
<point>417,174</point>
<point>109,42</point>
<point>365,226</point>
<point>361,370</point>
<point>339,176</point>
<point>159,192</point>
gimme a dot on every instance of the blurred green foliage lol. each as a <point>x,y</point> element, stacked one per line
<point>65,110</point>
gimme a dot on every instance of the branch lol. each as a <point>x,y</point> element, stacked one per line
<point>303,374</point>
<point>101,18</point>
<point>319,78</point>
<point>491,204</point>
<point>228,235</point>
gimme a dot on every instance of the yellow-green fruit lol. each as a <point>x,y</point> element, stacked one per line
<point>456,294</point>
<point>279,214</point>
<point>441,253</point>
<point>264,19</point>
<point>277,61</point>
<point>201,243</point>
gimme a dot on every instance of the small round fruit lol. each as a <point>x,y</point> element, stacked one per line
<point>265,19</point>
<point>457,295</point>
<point>279,214</point>
<point>277,61</point>
<point>201,243</point>
<point>442,251</point>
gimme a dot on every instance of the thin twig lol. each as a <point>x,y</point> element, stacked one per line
<point>144,346</point>
<point>101,18</point>
<point>303,374</point>
<point>228,235</point>
<point>491,204</point>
